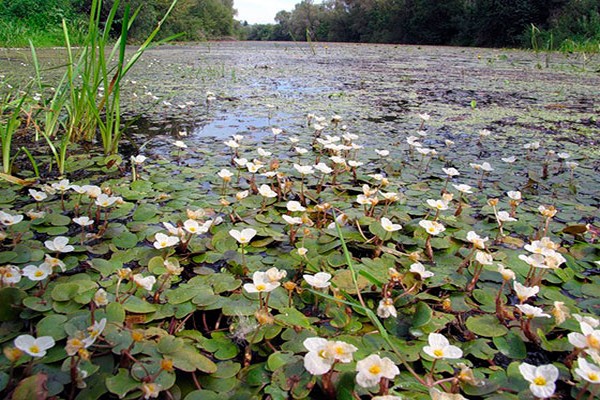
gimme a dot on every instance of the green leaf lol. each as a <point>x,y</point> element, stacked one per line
<point>37,304</point>
<point>423,314</point>
<point>511,345</point>
<point>293,318</point>
<point>125,240</point>
<point>10,303</point>
<point>279,359</point>
<point>486,325</point>
<point>203,395</point>
<point>52,325</point>
<point>122,383</point>
<point>32,388</point>
<point>105,267</point>
<point>189,359</point>
<point>115,313</point>
<point>144,212</point>
<point>136,305</point>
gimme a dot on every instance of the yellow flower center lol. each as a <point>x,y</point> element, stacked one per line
<point>438,353</point>
<point>540,381</point>
<point>592,376</point>
<point>37,274</point>
<point>164,244</point>
<point>260,287</point>
<point>593,342</point>
<point>339,350</point>
<point>34,349</point>
<point>375,369</point>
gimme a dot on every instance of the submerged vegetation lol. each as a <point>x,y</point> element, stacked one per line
<point>237,220</point>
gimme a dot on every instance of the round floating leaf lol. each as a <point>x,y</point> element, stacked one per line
<point>122,383</point>
<point>511,345</point>
<point>10,303</point>
<point>486,325</point>
<point>136,305</point>
<point>115,312</point>
<point>125,240</point>
<point>188,359</point>
<point>203,395</point>
<point>423,314</point>
<point>52,325</point>
<point>37,304</point>
<point>32,388</point>
<point>145,212</point>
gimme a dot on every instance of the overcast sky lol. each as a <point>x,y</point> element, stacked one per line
<point>261,11</point>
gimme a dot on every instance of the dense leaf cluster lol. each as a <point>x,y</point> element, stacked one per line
<point>455,22</point>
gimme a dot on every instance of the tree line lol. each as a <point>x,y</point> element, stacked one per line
<point>41,19</point>
<point>487,23</point>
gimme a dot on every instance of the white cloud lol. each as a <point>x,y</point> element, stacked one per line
<point>261,11</point>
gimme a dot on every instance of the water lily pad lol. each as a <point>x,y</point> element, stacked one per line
<point>486,325</point>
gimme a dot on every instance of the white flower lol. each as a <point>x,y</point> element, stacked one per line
<point>587,371</point>
<point>53,262</point>
<point>83,221</point>
<point>266,191</point>
<point>317,361</point>
<point>104,200</point>
<point>463,188</point>
<point>591,321</point>
<point>61,186</point>
<point>302,251</point>
<point>144,282</point>
<point>225,174</point>
<point>59,244</point>
<point>524,292</point>
<point>261,283</point>
<point>244,236</point>
<point>263,153</point>
<point>231,143</point>
<point>440,205</point>
<point>38,195</point>
<point>354,164</point>
<point>275,275</point>
<point>319,280</point>
<point>292,220</point>
<point>300,150</point>
<point>151,390</point>
<point>535,260</point>
<point>531,311</point>
<point>139,159</point>
<point>514,194</point>
<point>32,346</point>
<point>304,169</point>
<point>100,297</point>
<point>424,116</point>
<point>382,153</point>
<point>323,168</point>
<point>37,273</point>
<point>542,379</point>
<point>484,133</point>
<point>484,258</point>
<point>506,273</point>
<point>390,196</point>
<point>94,332</point>
<point>386,308</point>
<point>162,241</point>
<point>509,160</point>
<point>276,131</point>
<point>437,394</point>
<point>439,347</point>
<point>588,338</point>
<point>419,269</point>
<point>10,274</point>
<point>387,225</point>
<point>180,144</point>
<point>92,191</point>
<point>451,171</point>
<point>241,162</point>
<point>373,368</point>
<point>293,205</point>
<point>478,241</point>
<point>563,155</point>
<point>241,195</point>
<point>8,219</point>
<point>432,227</point>
<point>504,216</point>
